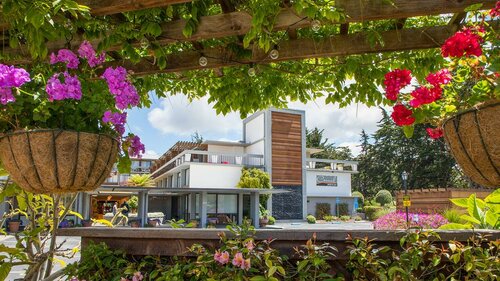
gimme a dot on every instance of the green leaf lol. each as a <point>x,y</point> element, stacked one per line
<point>473,7</point>
<point>453,226</point>
<point>460,202</point>
<point>470,219</point>
<point>408,130</point>
<point>5,270</point>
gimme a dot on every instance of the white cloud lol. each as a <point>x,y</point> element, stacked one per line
<point>151,154</point>
<point>176,115</point>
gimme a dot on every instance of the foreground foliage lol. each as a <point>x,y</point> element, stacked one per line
<point>239,256</point>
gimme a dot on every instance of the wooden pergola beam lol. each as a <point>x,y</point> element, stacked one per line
<point>299,49</point>
<point>239,23</point>
<point>109,7</point>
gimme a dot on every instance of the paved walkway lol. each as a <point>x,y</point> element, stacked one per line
<point>17,272</point>
<point>327,225</point>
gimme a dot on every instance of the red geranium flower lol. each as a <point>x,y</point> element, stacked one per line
<point>402,116</point>
<point>441,77</point>
<point>495,12</point>
<point>465,42</point>
<point>395,81</point>
<point>434,133</point>
<point>425,95</point>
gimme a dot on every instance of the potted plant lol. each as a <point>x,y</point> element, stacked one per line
<point>62,126</point>
<point>460,102</point>
<point>14,225</point>
<point>264,217</point>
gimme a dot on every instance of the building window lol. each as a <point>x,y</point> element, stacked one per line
<point>179,179</point>
<point>227,204</point>
<point>211,203</point>
<point>170,181</point>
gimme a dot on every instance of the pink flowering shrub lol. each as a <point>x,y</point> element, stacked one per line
<point>469,76</point>
<point>397,220</point>
<point>72,92</point>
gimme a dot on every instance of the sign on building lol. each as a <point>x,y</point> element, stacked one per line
<point>322,180</point>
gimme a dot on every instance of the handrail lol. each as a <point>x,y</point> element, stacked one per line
<point>183,154</point>
<point>332,164</point>
<point>331,161</point>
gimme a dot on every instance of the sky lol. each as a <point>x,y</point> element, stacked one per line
<point>174,118</point>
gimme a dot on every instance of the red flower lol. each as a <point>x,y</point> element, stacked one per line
<point>495,12</point>
<point>395,81</point>
<point>441,77</point>
<point>434,133</point>
<point>402,116</point>
<point>463,42</point>
<point>424,95</point>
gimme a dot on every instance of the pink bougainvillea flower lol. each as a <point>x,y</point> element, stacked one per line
<point>434,133</point>
<point>11,76</point>
<point>397,220</point>
<point>6,96</point>
<point>466,42</point>
<point>136,147</point>
<point>116,118</point>
<point>395,81</point>
<point>124,92</point>
<point>441,77</point>
<point>402,116</point>
<point>238,259</point>
<point>246,264</point>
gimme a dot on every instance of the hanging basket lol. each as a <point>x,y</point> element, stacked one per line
<point>58,161</point>
<point>473,138</point>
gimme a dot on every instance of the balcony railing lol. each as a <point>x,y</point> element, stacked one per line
<point>197,156</point>
<point>332,165</point>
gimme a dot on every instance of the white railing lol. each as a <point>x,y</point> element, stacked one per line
<point>330,164</point>
<point>199,156</point>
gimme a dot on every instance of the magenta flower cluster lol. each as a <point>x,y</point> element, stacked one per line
<point>69,89</point>
<point>10,77</point>
<point>136,148</point>
<point>117,119</point>
<point>397,220</point>
<point>87,52</point>
<point>65,56</point>
<point>124,92</point>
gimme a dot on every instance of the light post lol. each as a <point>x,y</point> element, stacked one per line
<point>404,176</point>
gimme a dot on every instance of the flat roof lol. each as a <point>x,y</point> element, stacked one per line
<point>227,143</point>
<point>106,189</point>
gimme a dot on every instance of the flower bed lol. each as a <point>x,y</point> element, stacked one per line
<point>397,220</point>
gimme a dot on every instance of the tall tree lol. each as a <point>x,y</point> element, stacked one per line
<point>390,153</point>
<point>315,139</point>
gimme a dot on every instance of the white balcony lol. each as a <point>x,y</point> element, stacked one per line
<point>332,165</point>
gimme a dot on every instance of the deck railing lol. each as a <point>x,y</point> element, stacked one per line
<point>198,156</point>
<point>330,164</point>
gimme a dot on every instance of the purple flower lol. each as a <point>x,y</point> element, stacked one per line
<point>124,92</point>
<point>115,117</point>
<point>70,89</point>
<point>6,95</point>
<point>13,77</point>
<point>87,52</point>
<point>136,148</point>
<point>397,220</point>
<point>66,56</point>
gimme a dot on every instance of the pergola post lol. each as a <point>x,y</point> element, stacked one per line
<point>240,208</point>
<point>203,212</point>
<point>192,206</point>
<point>143,207</point>
<point>78,206</point>
<point>254,208</point>
<point>86,205</point>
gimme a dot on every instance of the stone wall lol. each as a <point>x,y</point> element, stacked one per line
<point>288,206</point>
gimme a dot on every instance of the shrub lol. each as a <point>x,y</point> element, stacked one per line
<point>359,210</point>
<point>383,197</point>
<point>453,216</point>
<point>271,221</point>
<point>360,196</point>
<point>322,210</point>
<point>343,209</point>
<point>382,212</point>
<point>330,218</point>
<point>311,219</point>
<point>345,218</point>
<point>397,220</point>
<point>357,218</point>
<point>370,211</point>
